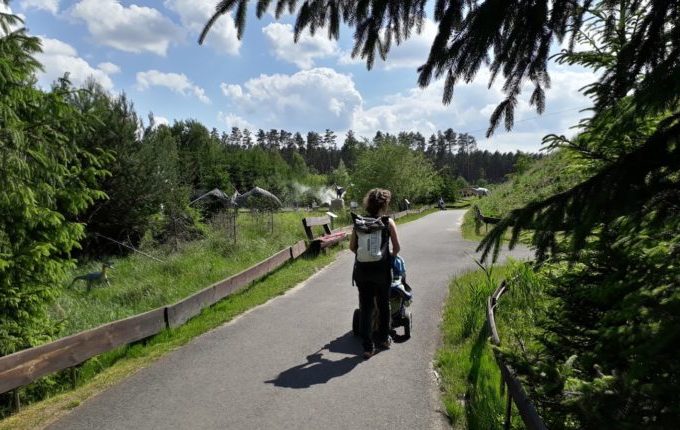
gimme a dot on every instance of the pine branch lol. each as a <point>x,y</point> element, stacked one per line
<point>624,187</point>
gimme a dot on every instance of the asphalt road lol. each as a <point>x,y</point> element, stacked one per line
<point>293,363</point>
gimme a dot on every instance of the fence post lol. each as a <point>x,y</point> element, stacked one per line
<point>16,403</point>
<point>508,412</point>
<point>74,377</point>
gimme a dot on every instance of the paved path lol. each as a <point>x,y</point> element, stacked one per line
<point>293,362</point>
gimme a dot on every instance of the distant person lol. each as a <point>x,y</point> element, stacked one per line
<point>441,203</point>
<point>372,273</point>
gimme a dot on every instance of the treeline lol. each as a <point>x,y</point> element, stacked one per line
<point>155,170</point>
<point>453,154</point>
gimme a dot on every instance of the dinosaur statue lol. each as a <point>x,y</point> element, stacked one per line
<point>95,277</point>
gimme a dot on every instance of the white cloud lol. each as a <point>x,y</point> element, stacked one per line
<point>411,53</point>
<point>131,29</point>
<point>159,120</point>
<point>231,120</point>
<point>302,53</point>
<point>51,6</point>
<point>108,68</point>
<point>195,13</point>
<point>176,82</point>
<point>422,110</point>
<point>312,99</point>
<point>58,58</point>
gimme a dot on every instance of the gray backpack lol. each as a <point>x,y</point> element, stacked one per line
<point>372,238</point>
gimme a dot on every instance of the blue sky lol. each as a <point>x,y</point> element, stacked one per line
<point>148,49</point>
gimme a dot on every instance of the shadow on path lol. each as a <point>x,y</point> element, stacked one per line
<point>319,370</point>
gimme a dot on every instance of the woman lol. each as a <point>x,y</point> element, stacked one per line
<point>374,279</point>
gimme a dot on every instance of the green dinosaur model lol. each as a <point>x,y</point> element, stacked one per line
<point>94,277</point>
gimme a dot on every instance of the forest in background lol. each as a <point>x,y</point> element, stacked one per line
<point>155,171</point>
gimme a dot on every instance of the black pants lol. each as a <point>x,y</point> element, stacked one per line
<point>378,290</point>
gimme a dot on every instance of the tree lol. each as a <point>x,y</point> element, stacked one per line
<point>46,181</point>
<point>405,173</point>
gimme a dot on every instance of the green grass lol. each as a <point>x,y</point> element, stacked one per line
<point>139,284</point>
<point>550,175</point>
<point>470,377</point>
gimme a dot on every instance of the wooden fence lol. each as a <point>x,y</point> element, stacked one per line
<point>23,367</point>
<point>515,392</point>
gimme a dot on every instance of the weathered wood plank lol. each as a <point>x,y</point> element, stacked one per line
<point>526,409</point>
<point>312,221</point>
<point>25,366</point>
<point>298,249</point>
<point>181,312</point>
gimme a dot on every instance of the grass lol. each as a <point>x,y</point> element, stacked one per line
<point>105,370</point>
<point>470,378</point>
<point>139,284</point>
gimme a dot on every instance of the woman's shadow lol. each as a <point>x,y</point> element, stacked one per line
<point>319,370</point>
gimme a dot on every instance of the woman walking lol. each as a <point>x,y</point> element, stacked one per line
<point>372,268</point>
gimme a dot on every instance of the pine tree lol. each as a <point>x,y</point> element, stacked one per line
<point>47,180</point>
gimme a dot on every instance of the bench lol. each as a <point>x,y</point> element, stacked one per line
<point>329,238</point>
<point>480,218</point>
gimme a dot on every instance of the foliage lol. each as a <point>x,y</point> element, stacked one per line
<point>143,172</point>
<point>46,180</point>
<point>470,377</point>
<point>393,166</point>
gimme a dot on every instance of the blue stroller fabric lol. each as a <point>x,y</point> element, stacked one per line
<point>398,267</point>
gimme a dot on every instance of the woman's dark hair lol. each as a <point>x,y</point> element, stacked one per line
<point>376,201</point>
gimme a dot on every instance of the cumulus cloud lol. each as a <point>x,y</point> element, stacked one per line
<point>307,100</point>
<point>194,14</point>
<point>59,57</point>
<point>134,29</point>
<point>302,54</point>
<point>51,6</point>
<point>231,120</point>
<point>108,68</point>
<point>158,121</point>
<point>176,82</point>
<point>321,98</point>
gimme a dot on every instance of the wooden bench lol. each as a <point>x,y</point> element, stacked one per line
<point>329,238</point>
<point>480,218</point>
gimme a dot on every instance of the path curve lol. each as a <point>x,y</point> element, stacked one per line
<point>293,363</point>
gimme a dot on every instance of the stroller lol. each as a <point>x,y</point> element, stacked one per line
<point>400,299</point>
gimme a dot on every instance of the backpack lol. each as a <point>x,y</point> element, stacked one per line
<point>372,239</point>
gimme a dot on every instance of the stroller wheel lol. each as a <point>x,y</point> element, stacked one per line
<point>408,323</point>
<point>356,323</point>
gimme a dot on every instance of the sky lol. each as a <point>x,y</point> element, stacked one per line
<point>149,50</point>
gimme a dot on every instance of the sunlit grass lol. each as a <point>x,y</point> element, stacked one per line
<point>470,377</point>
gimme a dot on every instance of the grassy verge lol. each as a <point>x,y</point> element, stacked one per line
<point>105,370</point>
<point>470,378</point>
<point>139,284</point>
<point>413,217</point>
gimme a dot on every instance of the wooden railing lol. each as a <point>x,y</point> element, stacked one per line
<point>515,391</point>
<point>23,367</point>
<point>481,218</point>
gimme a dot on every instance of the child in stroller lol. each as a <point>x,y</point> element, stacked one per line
<point>400,299</point>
